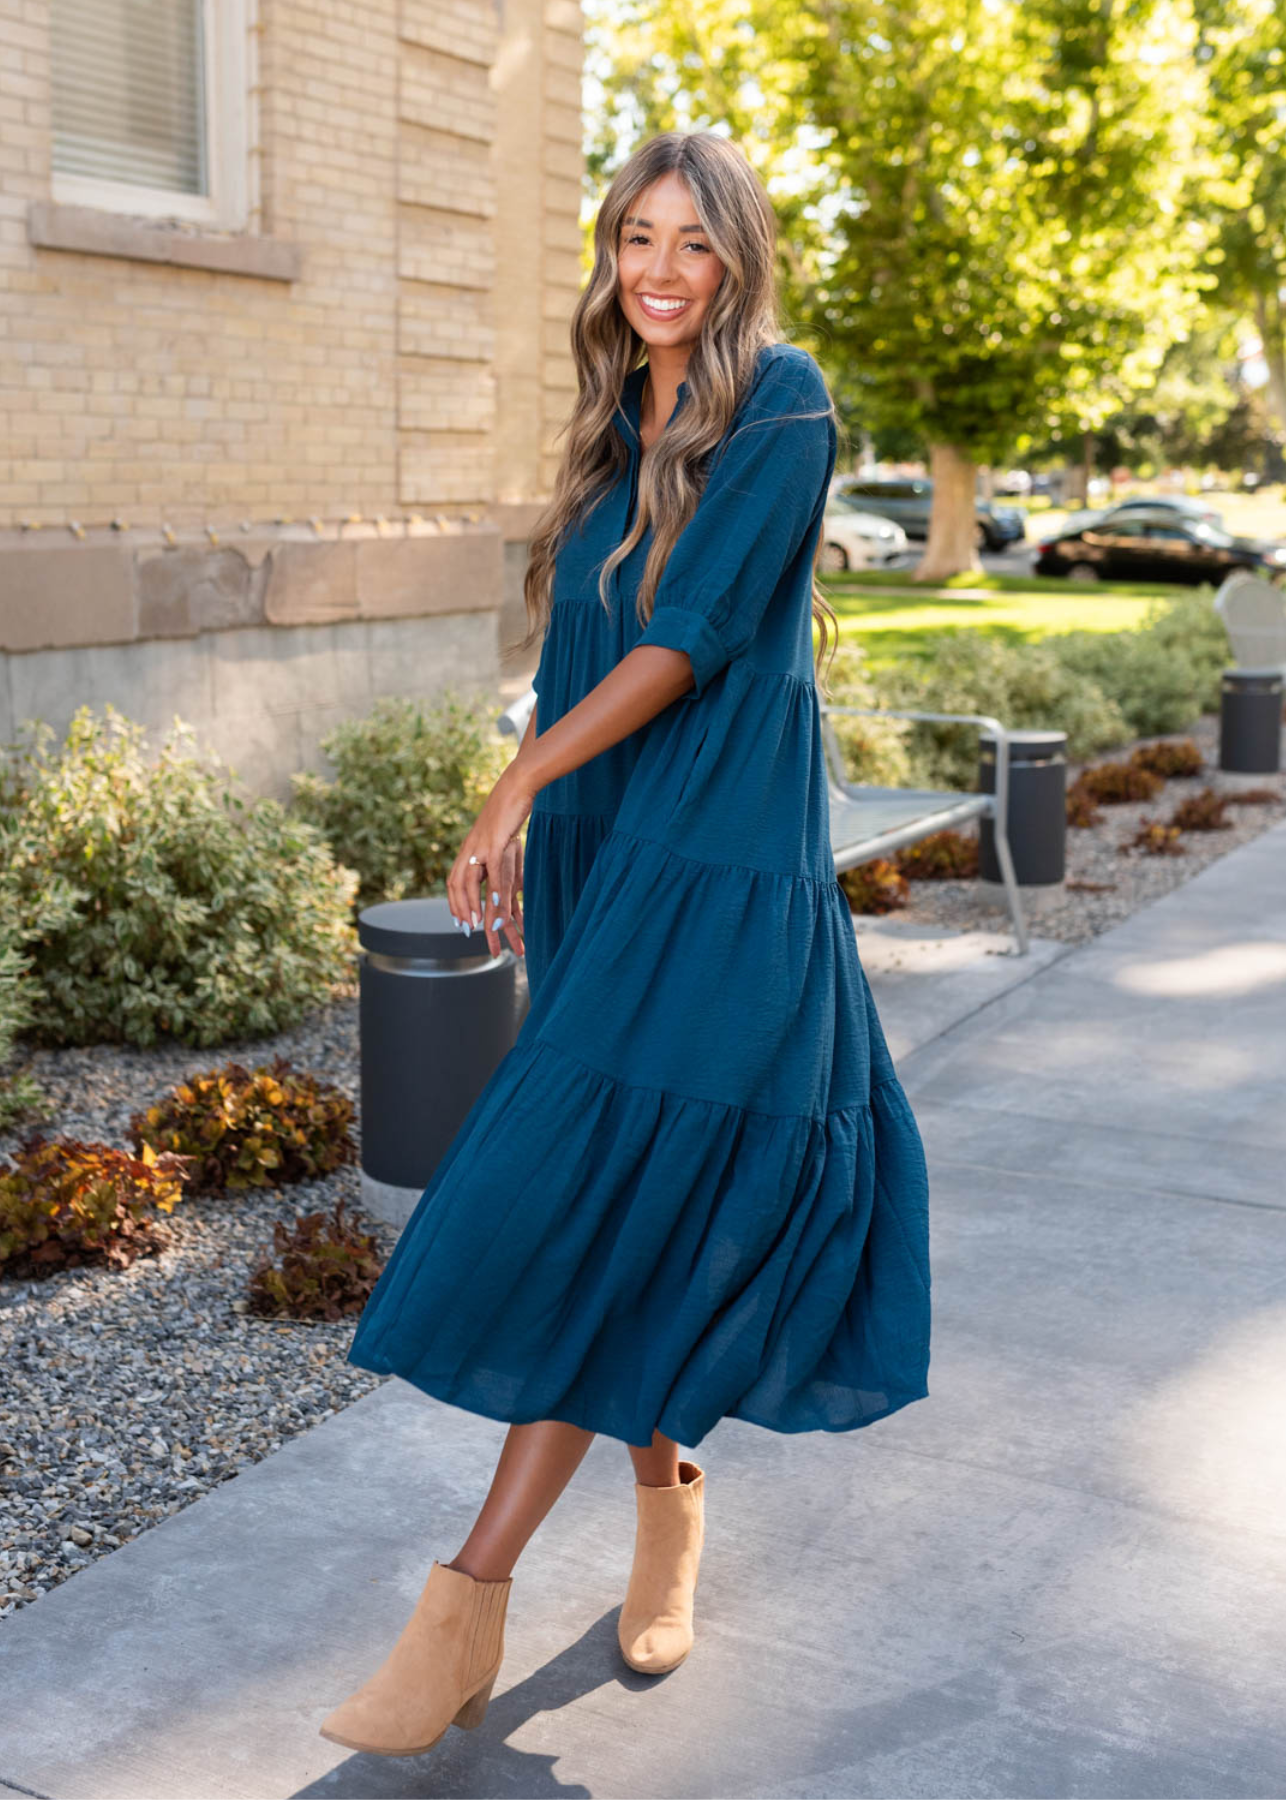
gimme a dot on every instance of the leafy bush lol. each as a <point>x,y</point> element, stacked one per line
<point>247,1128</point>
<point>946,856</point>
<point>154,901</point>
<point>1260,796</point>
<point>65,1203</point>
<point>1169,759</point>
<point>875,887</point>
<point>1156,687</point>
<point>325,1268</point>
<point>1025,686</point>
<point>1162,675</point>
<point>876,751</point>
<point>1082,809</point>
<point>1113,783</point>
<point>19,1095</point>
<point>409,783</point>
<point>1206,811</point>
<point>1188,623</point>
<point>1156,839</point>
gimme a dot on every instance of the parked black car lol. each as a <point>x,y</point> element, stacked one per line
<point>908,504</point>
<point>1183,505</point>
<point>1155,546</point>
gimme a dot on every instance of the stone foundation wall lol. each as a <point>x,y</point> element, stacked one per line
<point>263,646</point>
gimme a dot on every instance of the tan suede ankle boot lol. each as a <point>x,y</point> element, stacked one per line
<point>655,1626</point>
<point>439,1672</point>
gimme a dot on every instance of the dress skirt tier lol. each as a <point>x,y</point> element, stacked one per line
<point>694,1188</point>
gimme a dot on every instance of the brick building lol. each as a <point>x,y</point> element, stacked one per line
<point>284,296</point>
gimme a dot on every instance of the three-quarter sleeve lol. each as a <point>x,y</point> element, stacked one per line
<point>762,493</point>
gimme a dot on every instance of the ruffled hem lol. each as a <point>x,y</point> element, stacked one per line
<point>630,1260</point>
<point>737,985</point>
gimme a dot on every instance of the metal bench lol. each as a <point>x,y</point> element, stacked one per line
<point>867,822</point>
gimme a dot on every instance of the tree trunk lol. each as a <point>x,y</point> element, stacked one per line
<point>1088,463</point>
<point>1272,337</point>
<point>952,548</point>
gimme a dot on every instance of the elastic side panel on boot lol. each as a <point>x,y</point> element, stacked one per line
<point>487,1635</point>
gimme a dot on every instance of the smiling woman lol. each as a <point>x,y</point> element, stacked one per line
<point>668,275</point>
<point>694,1189</point>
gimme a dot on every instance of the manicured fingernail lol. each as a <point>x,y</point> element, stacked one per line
<point>495,899</point>
<point>474,917</point>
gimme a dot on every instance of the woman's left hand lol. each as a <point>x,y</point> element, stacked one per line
<point>485,891</point>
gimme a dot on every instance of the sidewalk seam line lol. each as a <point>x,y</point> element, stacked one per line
<point>1105,1186</point>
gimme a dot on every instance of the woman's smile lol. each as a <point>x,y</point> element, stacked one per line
<point>658,306</point>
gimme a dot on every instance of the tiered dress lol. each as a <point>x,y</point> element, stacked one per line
<point>694,1188</point>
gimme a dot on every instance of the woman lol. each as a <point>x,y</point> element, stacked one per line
<point>694,1188</point>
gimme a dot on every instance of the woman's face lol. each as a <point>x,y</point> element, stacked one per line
<point>668,271</point>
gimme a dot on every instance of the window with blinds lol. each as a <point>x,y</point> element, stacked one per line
<point>130,92</point>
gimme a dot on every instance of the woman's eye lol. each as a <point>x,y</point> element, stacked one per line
<point>638,238</point>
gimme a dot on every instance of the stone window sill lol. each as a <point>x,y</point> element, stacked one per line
<point>92,232</point>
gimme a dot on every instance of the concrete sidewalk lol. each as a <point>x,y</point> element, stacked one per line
<point>1063,1574</point>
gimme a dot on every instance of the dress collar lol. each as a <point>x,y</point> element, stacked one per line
<point>632,399</point>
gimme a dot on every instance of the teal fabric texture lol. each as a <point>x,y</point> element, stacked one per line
<point>694,1188</point>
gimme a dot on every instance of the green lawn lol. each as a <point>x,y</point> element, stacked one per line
<point>1017,608</point>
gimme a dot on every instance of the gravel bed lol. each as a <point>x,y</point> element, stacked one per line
<point>1104,882</point>
<point>130,1393</point>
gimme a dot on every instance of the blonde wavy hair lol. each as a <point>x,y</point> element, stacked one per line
<point>742,317</point>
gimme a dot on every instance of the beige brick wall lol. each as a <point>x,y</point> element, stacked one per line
<point>422,157</point>
<point>388,339</point>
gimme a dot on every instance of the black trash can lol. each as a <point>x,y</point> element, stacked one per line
<point>437,1014</point>
<point>1250,721</point>
<point>1037,811</point>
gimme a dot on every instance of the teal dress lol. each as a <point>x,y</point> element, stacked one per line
<point>694,1188</point>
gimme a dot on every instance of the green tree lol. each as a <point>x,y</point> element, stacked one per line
<point>1198,412</point>
<point>981,199</point>
<point>1243,47</point>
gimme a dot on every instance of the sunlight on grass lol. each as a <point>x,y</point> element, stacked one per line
<point>893,626</point>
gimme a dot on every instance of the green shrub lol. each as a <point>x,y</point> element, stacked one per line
<point>243,1128</point>
<point>325,1268</point>
<point>65,1203</point>
<point>1156,686</point>
<point>1189,624</point>
<point>409,782</point>
<point>19,1095</point>
<point>1025,686</point>
<point>876,751</point>
<point>156,902</point>
<point>1162,675</point>
<point>875,887</point>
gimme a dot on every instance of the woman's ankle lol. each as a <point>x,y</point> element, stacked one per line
<point>478,1568</point>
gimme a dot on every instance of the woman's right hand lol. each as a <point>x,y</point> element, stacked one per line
<point>486,877</point>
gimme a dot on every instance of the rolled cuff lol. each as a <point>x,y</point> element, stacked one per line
<point>676,629</point>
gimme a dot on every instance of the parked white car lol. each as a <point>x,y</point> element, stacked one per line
<point>857,540</point>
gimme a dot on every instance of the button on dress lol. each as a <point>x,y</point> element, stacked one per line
<point>694,1188</point>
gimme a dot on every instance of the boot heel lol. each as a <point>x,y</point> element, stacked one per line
<point>472,1713</point>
